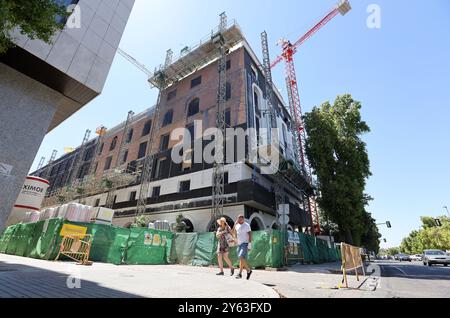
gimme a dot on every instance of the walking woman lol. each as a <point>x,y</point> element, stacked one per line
<point>223,248</point>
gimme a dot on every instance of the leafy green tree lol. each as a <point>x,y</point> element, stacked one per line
<point>339,158</point>
<point>392,251</point>
<point>35,18</point>
<point>430,236</point>
<point>180,225</point>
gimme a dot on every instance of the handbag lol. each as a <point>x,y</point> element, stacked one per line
<point>232,242</point>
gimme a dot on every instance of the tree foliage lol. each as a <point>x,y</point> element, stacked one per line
<point>339,158</point>
<point>430,236</point>
<point>35,18</point>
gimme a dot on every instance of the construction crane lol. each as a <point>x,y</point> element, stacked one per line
<point>289,50</point>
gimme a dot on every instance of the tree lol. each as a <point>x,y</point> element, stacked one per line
<point>429,237</point>
<point>35,18</point>
<point>339,158</point>
<point>392,251</point>
<point>180,225</point>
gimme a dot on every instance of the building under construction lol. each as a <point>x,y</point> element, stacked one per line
<point>110,169</point>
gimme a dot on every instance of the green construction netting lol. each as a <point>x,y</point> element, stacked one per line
<point>148,247</point>
<point>45,241</point>
<point>108,242</point>
<point>6,237</point>
<point>183,248</point>
<point>205,249</point>
<point>266,250</point>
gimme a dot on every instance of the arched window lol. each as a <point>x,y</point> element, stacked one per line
<point>194,107</point>
<point>130,135</point>
<point>228,92</point>
<point>147,128</point>
<point>113,144</point>
<point>168,117</point>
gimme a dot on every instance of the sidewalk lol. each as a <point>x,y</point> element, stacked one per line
<point>24,277</point>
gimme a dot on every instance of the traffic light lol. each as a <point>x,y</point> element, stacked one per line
<point>388,224</point>
<point>438,222</point>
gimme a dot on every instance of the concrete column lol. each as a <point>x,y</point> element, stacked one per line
<point>26,110</point>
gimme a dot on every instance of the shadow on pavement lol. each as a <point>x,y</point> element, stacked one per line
<point>23,281</point>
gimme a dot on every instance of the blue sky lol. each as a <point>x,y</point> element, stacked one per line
<point>399,72</point>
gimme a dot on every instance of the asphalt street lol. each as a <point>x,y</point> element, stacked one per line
<point>405,279</point>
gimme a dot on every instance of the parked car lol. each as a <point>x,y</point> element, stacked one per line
<point>416,257</point>
<point>404,258</point>
<point>431,257</point>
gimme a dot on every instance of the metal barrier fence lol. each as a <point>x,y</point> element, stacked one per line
<point>351,260</point>
<point>76,247</point>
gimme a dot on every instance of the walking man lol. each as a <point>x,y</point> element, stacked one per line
<point>244,238</point>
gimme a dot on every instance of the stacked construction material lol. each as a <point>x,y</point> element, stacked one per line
<point>31,217</point>
<point>74,212</point>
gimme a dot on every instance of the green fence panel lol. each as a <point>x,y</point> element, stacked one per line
<point>183,248</point>
<point>49,240</point>
<point>108,243</point>
<point>6,237</point>
<point>261,248</point>
<point>14,240</point>
<point>24,239</point>
<point>205,249</point>
<point>35,236</point>
<point>148,247</point>
<point>275,257</point>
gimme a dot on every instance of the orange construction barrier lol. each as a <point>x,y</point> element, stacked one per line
<point>351,260</point>
<point>76,247</point>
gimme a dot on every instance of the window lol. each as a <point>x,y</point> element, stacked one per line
<point>228,92</point>
<point>108,163</point>
<point>125,156</point>
<point>158,167</point>
<point>156,191</point>
<point>130,135</point>
<point>147,128</point>
<point>185,186</point>
<point>113,144</point>
<point>191,129</point>
<point>133,196</point>
<point>196,81</point>
<point>97,202</point>
<point>101,149</point>
<point>172,95</point>
<point>194,107</point>
<point>228,64</point>
<point>168,117</point>
<point>256,100</point>
<point>142,150</point>
<point>164,144</point>
<point>88,154</point>
<point>225,178</point>
<point>228,117</point>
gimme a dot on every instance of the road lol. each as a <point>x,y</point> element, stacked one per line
<point>411,280</point>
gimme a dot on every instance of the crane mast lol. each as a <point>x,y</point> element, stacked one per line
<point>295,106</point>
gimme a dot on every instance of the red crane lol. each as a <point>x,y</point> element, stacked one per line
<point>289,50</point>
